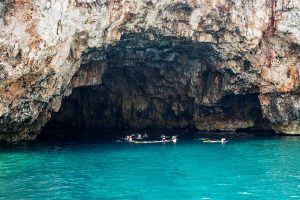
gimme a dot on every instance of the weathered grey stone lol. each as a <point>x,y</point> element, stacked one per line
<point>42,41</point>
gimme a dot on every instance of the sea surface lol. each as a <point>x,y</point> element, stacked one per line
<point>245,168</point>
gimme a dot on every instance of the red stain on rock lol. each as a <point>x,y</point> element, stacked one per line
<point>272,27</point>
<point>269,32</point>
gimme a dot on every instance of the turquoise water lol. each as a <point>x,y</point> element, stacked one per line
<point>253,168</point>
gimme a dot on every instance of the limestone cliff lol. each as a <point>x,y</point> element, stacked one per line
<point>220,64</point>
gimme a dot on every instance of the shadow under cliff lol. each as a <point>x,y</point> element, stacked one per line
<point>151,82</point>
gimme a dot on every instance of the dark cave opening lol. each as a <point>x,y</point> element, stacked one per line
<point>161,83</point>
<point>94,111</point>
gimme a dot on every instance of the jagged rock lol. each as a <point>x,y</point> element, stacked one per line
<point>253,46</point>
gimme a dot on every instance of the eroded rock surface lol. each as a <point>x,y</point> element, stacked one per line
<point>236,47</point>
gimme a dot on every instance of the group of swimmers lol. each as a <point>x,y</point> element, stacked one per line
<point>133,137</point>
<point>139,136</point>
<point>173,139</point>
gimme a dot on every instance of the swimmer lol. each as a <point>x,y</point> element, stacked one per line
<point>174,139</point>
<point>139,137</point>
<point>223,140</point>
<point>130,139</point>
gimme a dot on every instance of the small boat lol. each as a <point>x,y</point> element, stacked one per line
<point>214,141</point>
<point>155,142</point>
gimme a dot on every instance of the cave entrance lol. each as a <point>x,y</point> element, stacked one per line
<point>151,82</point>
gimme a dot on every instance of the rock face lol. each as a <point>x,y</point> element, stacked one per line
<point>209,65</point>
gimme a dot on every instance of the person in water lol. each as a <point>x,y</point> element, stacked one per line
<point>223,140</point>
<point>174,139</point>
<point>130,139</point>
<point>163,138</point>
<point>139,137</point>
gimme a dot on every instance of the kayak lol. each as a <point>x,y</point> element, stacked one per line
<point>213,141</point>
<point>152,142</point>
<point>202,139</point>
<point>210,141</point>
<point>146,142</point>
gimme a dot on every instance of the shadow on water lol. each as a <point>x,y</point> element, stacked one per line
<point>52,139</point>
<point>110,135</point>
